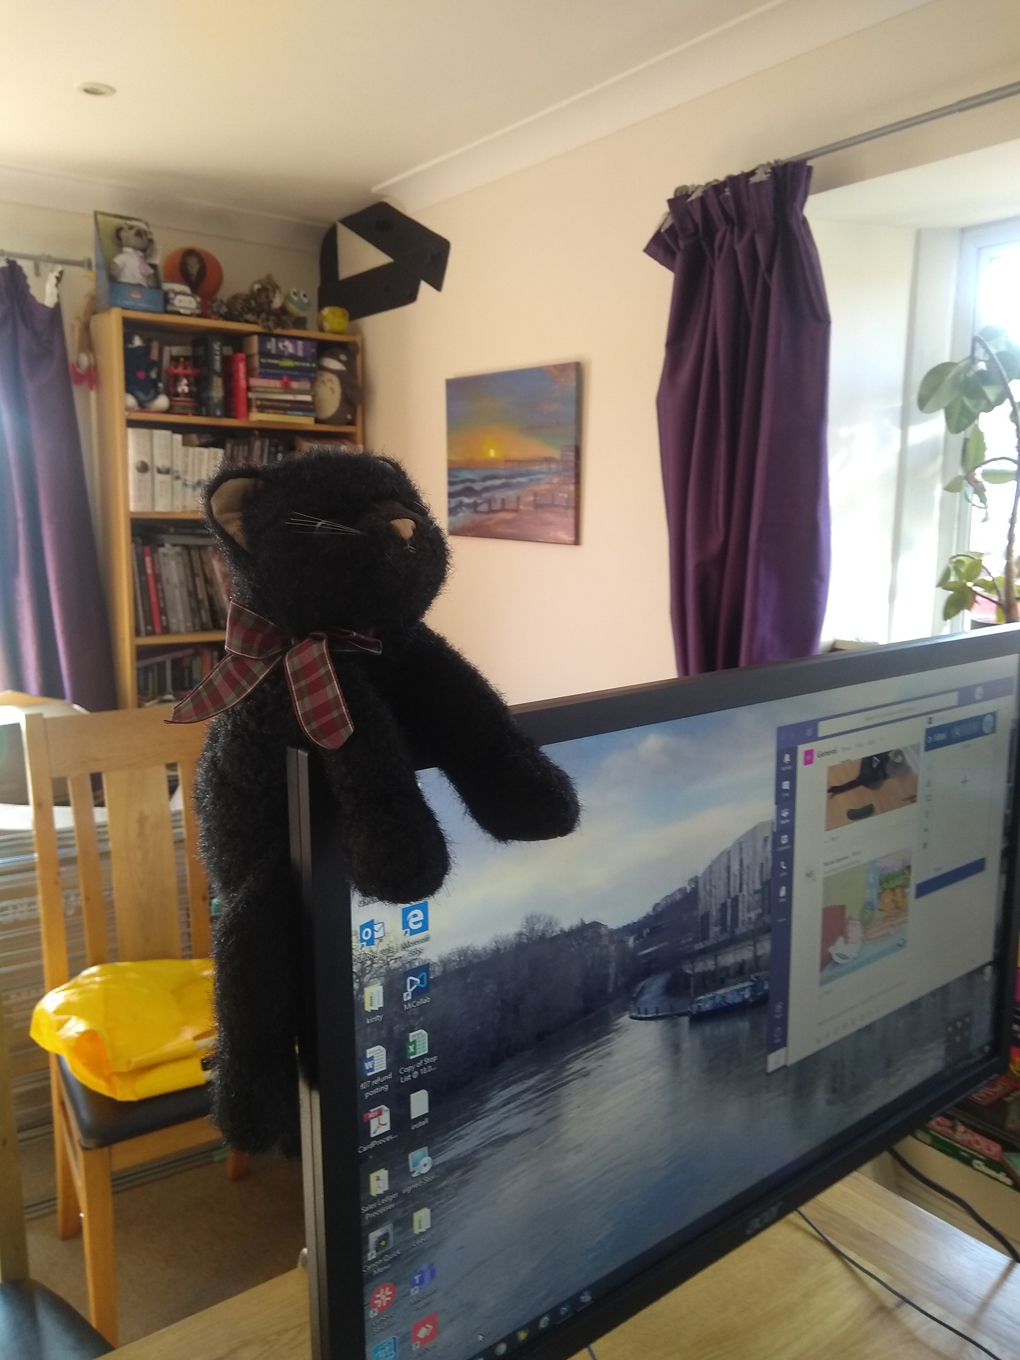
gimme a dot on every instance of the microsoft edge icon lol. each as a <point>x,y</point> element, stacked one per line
<point>415,920</point>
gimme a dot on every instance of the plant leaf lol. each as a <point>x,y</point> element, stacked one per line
<point>961,413</point>
<point>929,394</point>
<point>958,601</point>
<point>972,569</point>
<point>999,476</point>
<point>974,449</point>
<point>957,484</point>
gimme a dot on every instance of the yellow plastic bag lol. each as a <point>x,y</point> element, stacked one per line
<point>132,1030</point>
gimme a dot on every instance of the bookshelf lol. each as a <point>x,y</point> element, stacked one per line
<point>117,521</point>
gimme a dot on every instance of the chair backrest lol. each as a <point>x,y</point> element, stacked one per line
<point>13,1241</point>
<point>131,749</point>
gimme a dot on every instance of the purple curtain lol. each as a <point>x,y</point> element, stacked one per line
<point>742,405</point>
<point>54,635</point>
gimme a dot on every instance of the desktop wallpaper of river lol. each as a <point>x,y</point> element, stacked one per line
<point>528,1131</point>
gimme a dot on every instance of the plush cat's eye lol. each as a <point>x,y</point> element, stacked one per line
<point>309,524</point>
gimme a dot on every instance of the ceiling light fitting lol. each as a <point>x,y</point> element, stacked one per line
<point>96,87</point>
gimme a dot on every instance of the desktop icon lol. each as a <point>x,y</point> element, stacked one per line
<point>421,1220</point>
<point>379,1241</point>
<point>523,1334</point>
<point>415,920</point>
<point>424,1331</point>
<point>419,1104</point>
<point>386,1350</point>
<point>417,983</point>
<point>544,1321</point>
<point>374,997</point>
<point>378,1182</point>
<point>419,1162</point>
<point>370,933</point>
<point>422,1278</point>
<point>501,1348</point>
<point>809,757</point>
<point>374,1060</point>
<point>417,1043</point>
<point>584,1299</point>
<point>378,1120</point>
<point>381,1298</point>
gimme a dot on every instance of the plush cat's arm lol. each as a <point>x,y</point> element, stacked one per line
<point>510,787</point>
<point>392,842</point>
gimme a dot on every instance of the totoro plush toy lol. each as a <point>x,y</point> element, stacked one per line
<point>334,560</point>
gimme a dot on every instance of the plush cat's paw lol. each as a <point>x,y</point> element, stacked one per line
<point>404,861</point>
<point>528,799</point>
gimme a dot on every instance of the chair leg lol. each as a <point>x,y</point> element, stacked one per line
<point>100,1251</point>
<point>68,1217</point>
<point>237,1165</point>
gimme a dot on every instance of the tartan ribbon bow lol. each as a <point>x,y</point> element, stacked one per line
<point>254,648</point>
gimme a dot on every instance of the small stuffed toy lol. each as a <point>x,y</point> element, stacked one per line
<point>134,261</point>
<point>262,305</point>
<point>336,391</point>
<point>142,387</point>
<point>334,560</point>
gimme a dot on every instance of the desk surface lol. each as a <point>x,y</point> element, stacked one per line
<point>782,1296</point>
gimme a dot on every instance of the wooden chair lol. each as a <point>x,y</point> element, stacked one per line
<point>94,1135</point>
<point>35,1323</point>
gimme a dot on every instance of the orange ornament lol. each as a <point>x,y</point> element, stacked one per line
<point>199,269</point>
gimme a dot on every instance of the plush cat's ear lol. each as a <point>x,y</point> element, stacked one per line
<point>227,502</point>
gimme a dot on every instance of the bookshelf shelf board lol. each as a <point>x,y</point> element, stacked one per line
<point>168,321</point>
<point>161,515</point>
<point>227,423</point>
<point>178,639</point>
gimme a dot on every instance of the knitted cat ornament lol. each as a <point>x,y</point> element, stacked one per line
<point>334,560</point>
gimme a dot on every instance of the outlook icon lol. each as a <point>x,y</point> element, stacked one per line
<point>415,920</point>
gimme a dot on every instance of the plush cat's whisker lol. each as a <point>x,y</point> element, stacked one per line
<point>310,525</point>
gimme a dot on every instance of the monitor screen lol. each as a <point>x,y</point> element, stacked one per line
<point>779,932</point>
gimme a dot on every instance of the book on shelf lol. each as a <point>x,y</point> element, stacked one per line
<point>283,383</point>
<point>268,366</point>
<point>291,417</point>
<point>238,371</point>
<point>163,469</point>
<point>302,444</point>
<point>141,485</point>
<point>169,676</point>
<point>281,347</point>
<point>181,584</point>
<point>208,358</point>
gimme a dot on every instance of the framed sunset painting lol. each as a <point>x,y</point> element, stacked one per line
<point>512,447</point>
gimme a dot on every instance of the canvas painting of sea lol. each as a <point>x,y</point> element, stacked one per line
<point>513,441</point>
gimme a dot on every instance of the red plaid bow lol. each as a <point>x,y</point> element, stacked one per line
<point>254,648</point>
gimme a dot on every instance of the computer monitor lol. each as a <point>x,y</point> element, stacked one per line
<point>784,935</point>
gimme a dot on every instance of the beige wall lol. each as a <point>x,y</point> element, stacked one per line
<point>547,265</point>
<point>49,231</point>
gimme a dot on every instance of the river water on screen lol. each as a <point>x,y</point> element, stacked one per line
<point>567,1162</point>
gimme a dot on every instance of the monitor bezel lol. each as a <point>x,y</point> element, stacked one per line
<point>329,1092</point>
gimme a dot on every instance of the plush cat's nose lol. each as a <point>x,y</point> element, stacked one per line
<point>404,527</point>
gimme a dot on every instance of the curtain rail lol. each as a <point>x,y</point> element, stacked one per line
<point>974,101</point>
<point>86,263</point>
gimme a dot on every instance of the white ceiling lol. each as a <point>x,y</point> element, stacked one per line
<point>268,119</point>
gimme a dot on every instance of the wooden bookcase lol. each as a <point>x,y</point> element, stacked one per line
<point>116,519</point>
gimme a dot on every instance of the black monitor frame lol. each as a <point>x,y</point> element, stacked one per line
<point>327,1042</point>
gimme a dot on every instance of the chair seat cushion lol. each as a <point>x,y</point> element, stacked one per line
<point>36,1324</point>
<point>102,1121</point>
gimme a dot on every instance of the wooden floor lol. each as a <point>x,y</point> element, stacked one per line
<point>898,790</point>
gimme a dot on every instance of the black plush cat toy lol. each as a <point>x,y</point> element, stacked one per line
<point>334,560</point>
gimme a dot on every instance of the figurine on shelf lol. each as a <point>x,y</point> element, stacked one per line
<point>262,305</point>
<point>137,249</point>
<point>83,354</point>
<point>297,304</point>
<point>199,271</point>
<point>142,388</point>
<point>180,300</point>
<point>334,319</point>
<point>181,378</point>
<point>336,391</point>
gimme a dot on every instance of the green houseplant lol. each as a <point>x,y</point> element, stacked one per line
<point>965,390</point>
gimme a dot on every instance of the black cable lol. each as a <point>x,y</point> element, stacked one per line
<point>591,1352</point>
<point>902,1297</point>
<point>992,1231</point>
